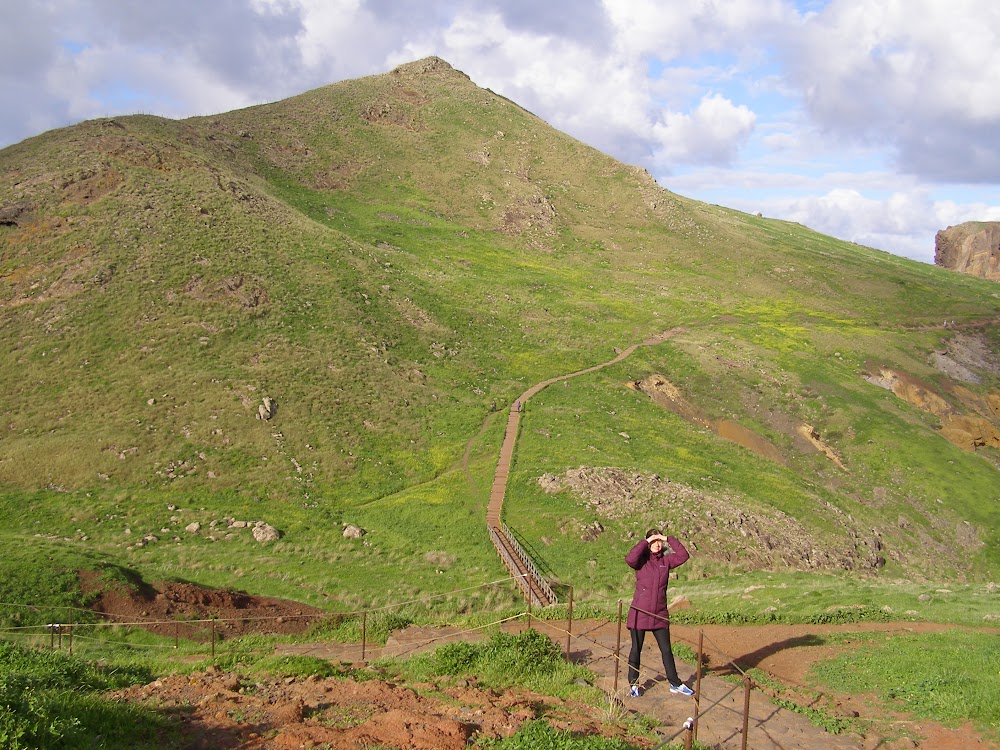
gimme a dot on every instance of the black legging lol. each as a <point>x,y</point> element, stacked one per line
<point>662,636</point>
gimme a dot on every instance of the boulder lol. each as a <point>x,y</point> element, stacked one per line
<point>267,409</point>
<point>265,533</point>
<point>353,532</point>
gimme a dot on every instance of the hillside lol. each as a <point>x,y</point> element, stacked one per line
<point>385,259</point>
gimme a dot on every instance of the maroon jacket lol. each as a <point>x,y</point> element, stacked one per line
<point>649,604</point>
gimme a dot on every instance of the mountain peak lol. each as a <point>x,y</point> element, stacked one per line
<point>427,66</point>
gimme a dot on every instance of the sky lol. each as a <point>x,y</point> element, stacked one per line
<point>875,121</point>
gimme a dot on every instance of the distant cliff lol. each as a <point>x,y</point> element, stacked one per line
<point>972,247</point>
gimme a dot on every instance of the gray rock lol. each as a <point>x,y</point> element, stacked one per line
<point>353,532</point>
<point>264,533</point>
<point>267,409</point>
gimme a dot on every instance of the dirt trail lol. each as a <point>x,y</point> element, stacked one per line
<point>784,651</point>
<point>221,711</point>
<point>499,488</point>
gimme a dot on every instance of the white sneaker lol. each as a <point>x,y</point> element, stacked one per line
<point>635,692</point>
<point>681,689</point>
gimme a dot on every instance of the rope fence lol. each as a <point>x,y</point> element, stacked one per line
<point>62,635</point>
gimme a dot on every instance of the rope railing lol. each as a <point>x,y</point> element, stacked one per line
<point>78,631</point>
<point>71,628</point>
<point>691,725</point>
<point>243,618</point>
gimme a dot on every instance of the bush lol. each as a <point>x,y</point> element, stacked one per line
<point>521,655</point>
<point>456,658</point>
<point>504,660</point>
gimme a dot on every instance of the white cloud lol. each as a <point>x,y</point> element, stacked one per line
<point>711,134</point>
<point>904,222</point>
<point>671,30</point>
<point>920,77</point>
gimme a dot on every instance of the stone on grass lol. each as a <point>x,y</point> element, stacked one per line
<point>264,533</point>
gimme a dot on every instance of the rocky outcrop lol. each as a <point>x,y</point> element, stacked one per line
<point>910,389</point>
<point>719,526</point>
<point>970,423</point>
<point>970,432</point>
<point>972,248</point>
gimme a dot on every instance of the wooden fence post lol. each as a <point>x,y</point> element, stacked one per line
<point>527,584</point>
<point>697,681</point>
<point>569,624</point>
<point>618,647</point>
<point>746,710</point>
<point>364,633</point>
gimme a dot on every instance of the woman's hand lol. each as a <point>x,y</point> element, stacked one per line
<point>657,538</point>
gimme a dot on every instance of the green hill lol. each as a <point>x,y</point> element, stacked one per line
<point>385,259</point>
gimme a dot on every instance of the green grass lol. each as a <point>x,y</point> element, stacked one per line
<point>529,658</point>
<point>538,734</point>
<point>386,284</point>
<point>54,701</point>
<point>949,677</point>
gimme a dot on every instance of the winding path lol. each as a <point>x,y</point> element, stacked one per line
<point>513,555</point>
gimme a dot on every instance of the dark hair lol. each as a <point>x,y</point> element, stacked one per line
<point>651,532</point>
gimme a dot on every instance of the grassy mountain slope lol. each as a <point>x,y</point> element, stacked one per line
<point>387,257</point>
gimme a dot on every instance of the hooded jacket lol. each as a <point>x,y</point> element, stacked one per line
<point>649,603</point>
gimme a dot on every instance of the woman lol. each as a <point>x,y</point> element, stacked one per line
<point>649,604</point>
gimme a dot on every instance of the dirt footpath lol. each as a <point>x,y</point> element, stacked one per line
<point>220,710</point>
<point>784,651</point>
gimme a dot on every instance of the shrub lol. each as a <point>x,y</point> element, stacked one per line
<point>456,658</point>
<point>522,655</point>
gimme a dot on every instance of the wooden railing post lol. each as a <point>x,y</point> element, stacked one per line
<point>528,586</point>
<point>569,624</point>
<point>697,681</point>
<point>618,647</point>
<point>364,633</point>
<point>746,710</point>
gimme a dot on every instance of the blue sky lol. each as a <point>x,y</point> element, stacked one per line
<point>874,121</point>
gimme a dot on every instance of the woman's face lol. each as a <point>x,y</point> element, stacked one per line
<point>656,546</point>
